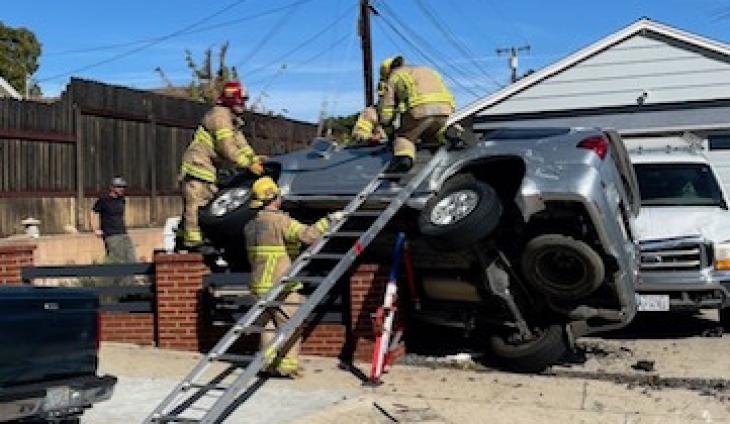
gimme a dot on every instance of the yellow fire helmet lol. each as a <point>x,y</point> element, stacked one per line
<point>388,64</point>
<point>263,189</point>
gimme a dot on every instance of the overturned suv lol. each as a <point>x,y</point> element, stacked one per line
<point>523,237</point>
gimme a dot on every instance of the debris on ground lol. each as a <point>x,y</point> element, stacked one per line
<point>713,332</point>
<point>644,365</point>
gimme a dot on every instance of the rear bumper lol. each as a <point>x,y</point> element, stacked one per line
<point>54,399</point>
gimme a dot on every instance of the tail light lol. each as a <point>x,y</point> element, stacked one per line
<point>598,144</point>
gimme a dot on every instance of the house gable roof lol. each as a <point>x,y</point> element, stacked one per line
<point>7,88</point>
<point>641,26</point>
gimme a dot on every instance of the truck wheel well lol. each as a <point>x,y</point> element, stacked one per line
<point>504,174</point>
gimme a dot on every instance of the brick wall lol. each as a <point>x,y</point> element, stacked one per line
<point>137,328</point>
<point>179,322</point>
<point>179,285</point>
<point>12,259</point>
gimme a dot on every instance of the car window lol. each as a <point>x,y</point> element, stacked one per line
<point>678,185</point>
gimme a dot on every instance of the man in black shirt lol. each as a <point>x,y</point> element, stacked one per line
<point>107,221</point>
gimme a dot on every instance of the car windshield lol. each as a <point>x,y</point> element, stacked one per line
<point>678,184</point>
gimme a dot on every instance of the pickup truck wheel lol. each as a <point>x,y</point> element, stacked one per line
<point>464,212</point>
<point>550,344</point>
<point>562,266</point>
<point>725,318</point>
<point>222,221</point>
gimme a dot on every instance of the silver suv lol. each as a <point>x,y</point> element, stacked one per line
<point>524,236</point>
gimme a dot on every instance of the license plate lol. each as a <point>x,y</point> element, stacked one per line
<point>652,302</point>
<point>57,398</point>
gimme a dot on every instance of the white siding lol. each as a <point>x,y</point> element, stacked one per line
<point>619,74</point>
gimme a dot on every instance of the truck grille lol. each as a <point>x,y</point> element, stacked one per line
<point>673,255</point>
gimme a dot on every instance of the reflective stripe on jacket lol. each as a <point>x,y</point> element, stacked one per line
<point>421,89</point>
<point>267,237</point>
<point>217,139</point>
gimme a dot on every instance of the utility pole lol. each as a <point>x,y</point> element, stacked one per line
<point>367,51</point>
<point>513,52</point>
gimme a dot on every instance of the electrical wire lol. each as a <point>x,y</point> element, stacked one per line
<point>146,45</point>
<point>423,53</point>
<point>444,29</point>
<point>207,28</point>
<point>273,31</point>
<point>511,23</point>
<point>299,46</point>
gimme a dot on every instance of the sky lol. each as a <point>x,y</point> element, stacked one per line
<point>302,58</point>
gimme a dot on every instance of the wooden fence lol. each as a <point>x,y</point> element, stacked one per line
<point>56,157</point>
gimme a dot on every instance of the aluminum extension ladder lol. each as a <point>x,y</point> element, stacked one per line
<point>236,377</point>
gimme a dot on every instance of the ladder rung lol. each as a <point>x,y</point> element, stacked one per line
<point>391,176</point>
<point>347,234</point>
<point>276,303</point>
<point>232,358</point>
<point>366,213</point>
<point>304,279</point>
<point>330,256</point>
<point>174,419</point>
<point>251,329</point>
<point>207,386</point>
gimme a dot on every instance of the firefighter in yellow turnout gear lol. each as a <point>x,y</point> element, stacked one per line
<point>418,94</point>
<point>267,237</point>
<point>367,129</point>
<point>217,139</point>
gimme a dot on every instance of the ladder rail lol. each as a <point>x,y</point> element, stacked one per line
<point>295,321</point>
<point>288,330</point>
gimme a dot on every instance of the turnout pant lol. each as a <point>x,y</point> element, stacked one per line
<point>414,130</point>
<point>289,364</point>
<point>196,194</point>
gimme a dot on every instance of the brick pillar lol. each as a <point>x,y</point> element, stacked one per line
<point>367,288</point>
<point>12,259</point>
<point>179,284</point>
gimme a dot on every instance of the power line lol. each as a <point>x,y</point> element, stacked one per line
<point>435,55</point>
<point>275,29</point>
<point>207,28</point>
<point>146,45</point>
<point>299,46</point>
<point>442,27</point>
<point>511,23</point>
<point>423,54</point>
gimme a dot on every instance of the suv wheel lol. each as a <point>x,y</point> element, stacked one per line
<point>725,318</point>
<point>562,266</point>
<point>464,212</point>
<point>549,345</point>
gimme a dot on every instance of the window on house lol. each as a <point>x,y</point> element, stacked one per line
<point>719,142</point>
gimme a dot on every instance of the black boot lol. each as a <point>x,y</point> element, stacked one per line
<point>399,164</point>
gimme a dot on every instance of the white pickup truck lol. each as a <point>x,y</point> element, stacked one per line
<point>683,229</point>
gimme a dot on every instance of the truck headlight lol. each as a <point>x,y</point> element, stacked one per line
<point>722,255</point>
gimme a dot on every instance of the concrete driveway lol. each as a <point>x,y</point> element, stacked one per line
<point>689,383</point>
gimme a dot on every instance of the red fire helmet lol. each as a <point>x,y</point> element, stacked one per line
<point>234,94</point>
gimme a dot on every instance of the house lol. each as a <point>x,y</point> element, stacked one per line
<point>7,90</point>
<point>647,80</point>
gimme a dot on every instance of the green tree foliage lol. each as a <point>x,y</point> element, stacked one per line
<point>19,52</point>
<point>339,128</point>
<point>208,79</point>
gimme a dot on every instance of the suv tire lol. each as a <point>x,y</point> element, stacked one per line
<point>725,318</point>
<point>532,356</point>
<point>465,211</point>
<point>562,267</point>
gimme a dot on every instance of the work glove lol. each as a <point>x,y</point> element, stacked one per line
<point>257,168</point>
<point>336,216</point>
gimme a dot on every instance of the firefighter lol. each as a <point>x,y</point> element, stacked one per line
<point>218,139</point>
<point>423,102</point>
<point>267,237</point>
<point>367,129</point>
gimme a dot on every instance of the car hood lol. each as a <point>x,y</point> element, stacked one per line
<point>656,223</point>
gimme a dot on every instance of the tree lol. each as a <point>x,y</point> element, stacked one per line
<point>207,83</point>
<point>339,128</point>
<point>19,52</point>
